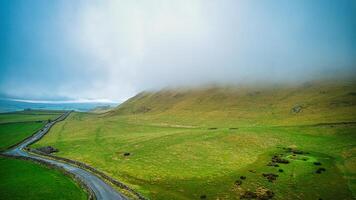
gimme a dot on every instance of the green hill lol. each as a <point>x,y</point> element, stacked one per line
<point>308,103</point>
<point>297,141</point>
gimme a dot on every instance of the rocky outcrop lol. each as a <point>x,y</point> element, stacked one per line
<point>297,108</point>
<point>47,149</point>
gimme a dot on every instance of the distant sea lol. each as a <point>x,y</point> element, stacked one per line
<point>11,105</point>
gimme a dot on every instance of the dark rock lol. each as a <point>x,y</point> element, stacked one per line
<point>272,164</point>
<point>264,193</point>
<point>242,177</point>
<point>277,159</point>
<point>317,163</point>
<point>297,108</point>
<point>280,170</point>
<point>270,176</point>
<point>203,196</point>
<point>261,193</point>
<point>238,182</point>
<point>320,170</point>
<point>126,154</point>
<point>248,195</point>
<point>47,149</point>
<point>295,151</point>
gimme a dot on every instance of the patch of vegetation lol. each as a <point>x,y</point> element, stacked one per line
<point>26,180</point>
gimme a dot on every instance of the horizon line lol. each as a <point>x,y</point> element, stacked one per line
<point>62,101</point>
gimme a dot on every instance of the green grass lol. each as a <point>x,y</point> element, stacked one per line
<point>174,154</point>
<point>32,115</point>
<point>322,102</point>
<point>12,133</point>
<point>16,126</point>
<point>26,180</point>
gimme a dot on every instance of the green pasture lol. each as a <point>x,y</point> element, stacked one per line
<point>24,179</point>
<point>27,180</point>
<point>197,143</point>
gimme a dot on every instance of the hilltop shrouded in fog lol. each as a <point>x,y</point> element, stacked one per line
<point>114,49</point>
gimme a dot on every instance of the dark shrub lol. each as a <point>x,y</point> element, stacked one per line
<point>270,176</point>
<point>238,182</point>
<point>317,163</point>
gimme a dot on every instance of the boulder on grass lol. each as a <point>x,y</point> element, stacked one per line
<point>261,193</point>
<point>264,193</point>
<point>47,149</point>
<point>270,176</point>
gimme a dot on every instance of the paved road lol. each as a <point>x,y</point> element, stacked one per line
<point>101,189</point>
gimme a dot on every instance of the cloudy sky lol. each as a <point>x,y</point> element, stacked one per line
<point>58,50</point>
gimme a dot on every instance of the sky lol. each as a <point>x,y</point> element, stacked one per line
<point>110,50</point>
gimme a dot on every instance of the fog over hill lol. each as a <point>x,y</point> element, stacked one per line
<point>115,49</point>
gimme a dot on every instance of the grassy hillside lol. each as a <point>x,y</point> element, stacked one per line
<point>319,102</point>
<point>217,143</point>
<point>101,109</point>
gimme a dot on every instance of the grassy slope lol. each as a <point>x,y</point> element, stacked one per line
<point>26,180</point>
<point>175,156</point>
<point>246,105</point>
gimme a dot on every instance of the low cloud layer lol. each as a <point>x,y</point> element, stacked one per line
<point>114,49</point>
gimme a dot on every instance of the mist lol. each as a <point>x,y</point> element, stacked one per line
<point>112,50</point>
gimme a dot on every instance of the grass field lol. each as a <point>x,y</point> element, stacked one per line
<point>191,144</point>
<point>12,133</point>
<point>31,115</point>
<point>26,180</point>
<point>16,126</point>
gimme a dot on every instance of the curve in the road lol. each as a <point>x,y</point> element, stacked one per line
<point>101,189</point>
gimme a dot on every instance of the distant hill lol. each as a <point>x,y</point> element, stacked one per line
<point>308,103</point>
<point>101,109</point>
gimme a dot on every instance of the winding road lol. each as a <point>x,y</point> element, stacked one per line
<point>100,188</point>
